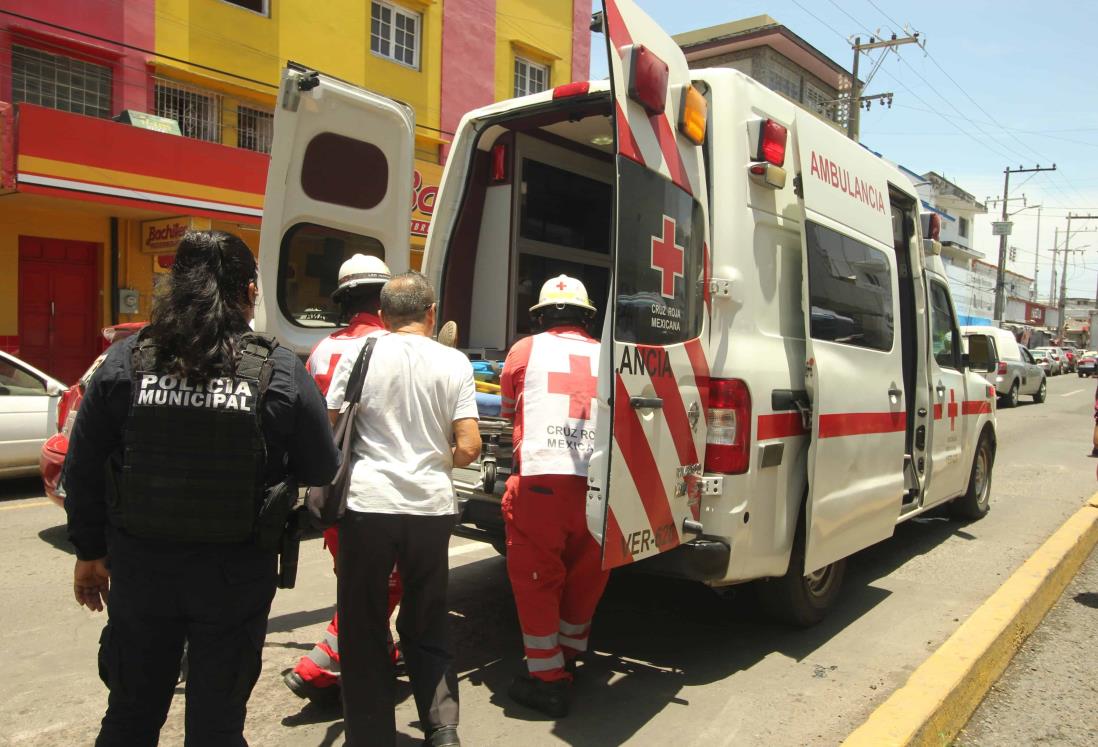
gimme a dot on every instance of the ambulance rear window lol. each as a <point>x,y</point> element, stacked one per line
<point>660,260</point>
<point>344,171</point>
<point>311,256</point>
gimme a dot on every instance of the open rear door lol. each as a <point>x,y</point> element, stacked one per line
<point>340,183</point>
<point>653,377</point>
<point>854,365</point>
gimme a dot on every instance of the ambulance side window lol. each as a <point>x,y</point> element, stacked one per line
<point>310,259</point>
<point>943,328</point>
<point>850,290</point>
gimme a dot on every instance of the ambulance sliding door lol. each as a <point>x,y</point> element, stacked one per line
<point>853,367</point>
<point>653,376</point>
<point>339,183</point>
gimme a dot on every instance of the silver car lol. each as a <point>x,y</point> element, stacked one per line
<point>1016,373</point>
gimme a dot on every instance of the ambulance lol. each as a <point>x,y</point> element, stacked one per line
<point>781,379</point>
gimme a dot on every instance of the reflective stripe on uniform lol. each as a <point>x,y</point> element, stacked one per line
<point>556,661</point>
<point>540,642</point>
<point>576,644</point>
<point>573,628</point>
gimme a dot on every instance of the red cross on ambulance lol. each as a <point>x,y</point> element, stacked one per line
<point>667,258</point>
<point>578,384</point>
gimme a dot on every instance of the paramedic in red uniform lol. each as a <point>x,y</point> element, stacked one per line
<point>548,389</point>
<point>316,675</point>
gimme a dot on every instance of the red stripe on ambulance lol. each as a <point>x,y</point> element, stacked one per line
<point>615,552</point>
<point>780,425</point>
<point>834,425</point>
<point>627,144</point>
<point>669,146</point>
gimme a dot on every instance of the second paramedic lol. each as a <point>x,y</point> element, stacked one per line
<point>548,388</point>
<point>358,294</point>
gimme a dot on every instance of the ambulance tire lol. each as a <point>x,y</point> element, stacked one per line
<point>797,599</point>
<point>976,501</point>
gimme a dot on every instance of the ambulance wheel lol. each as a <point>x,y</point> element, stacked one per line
<point>976,502</point>
<point>1042,392</point>
<point>489,484</point>
<point>800,599</point>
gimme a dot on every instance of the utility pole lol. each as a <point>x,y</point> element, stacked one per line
<point>1037,253</point>
<point>1055,250</point>
<point>1000,277</point>
<point>855,106</point>
<point>1063,277</point>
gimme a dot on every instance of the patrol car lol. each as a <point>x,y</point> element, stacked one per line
<point>782,379</point>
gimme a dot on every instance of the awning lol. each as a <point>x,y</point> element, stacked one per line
<point>74,156</point>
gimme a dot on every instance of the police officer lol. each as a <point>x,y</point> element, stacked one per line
<point>316,675</point>
<point>192,419</point>
<point>548,388</point>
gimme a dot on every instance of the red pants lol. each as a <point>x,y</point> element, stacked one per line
<point>321,665</point>
<point>555,568</point>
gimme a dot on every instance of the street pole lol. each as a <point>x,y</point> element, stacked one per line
<point>1063,285</point>
<point>1055,249</point>
<point>855,106</point>
<point>1000,276</point>
<point>1037,253</point>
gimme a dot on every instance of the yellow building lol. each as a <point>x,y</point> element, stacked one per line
<point>76,184</point>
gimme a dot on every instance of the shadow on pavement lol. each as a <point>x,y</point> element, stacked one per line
<point>19,488</point>
<point>1087,599</point>
<point>58,538</point>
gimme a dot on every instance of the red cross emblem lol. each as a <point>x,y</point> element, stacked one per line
<point>578,384</point>
<point>952,410</point>
<point>561,285</point>
<point>667,257</point>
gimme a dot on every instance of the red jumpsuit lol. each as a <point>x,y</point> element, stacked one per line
<point>548,388</point>
<point>320,666</point>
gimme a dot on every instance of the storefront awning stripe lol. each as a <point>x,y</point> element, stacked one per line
<point>48,167</point>
<point>133,194</point>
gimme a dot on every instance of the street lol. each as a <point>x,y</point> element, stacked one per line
<point>672,662</point>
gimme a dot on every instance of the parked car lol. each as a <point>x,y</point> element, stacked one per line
<point>1016,372</point>
<point>1088,364</point>
<point>1069,358</point>
<point>1055,359</point>
<point>28,414</point>
<point>1044,360</point>
<point>51,457</point>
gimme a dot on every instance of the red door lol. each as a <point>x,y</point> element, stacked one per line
<point>58,305</point>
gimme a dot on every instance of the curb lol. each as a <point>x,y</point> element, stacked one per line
<point>942,693</point>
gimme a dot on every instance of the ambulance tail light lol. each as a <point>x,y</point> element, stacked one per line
<point>728,440</point>
<point>772,140</point>
<point>647,79</point>
<point>499,163</point>
<point>576,88</point>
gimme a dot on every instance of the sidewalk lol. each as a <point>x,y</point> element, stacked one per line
<point>1048,694</point>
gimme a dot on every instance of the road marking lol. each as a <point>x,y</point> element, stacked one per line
<point>1073,391</point>
<point>35,504</point>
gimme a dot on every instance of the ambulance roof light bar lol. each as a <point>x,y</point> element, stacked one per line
<point>575,88</point>
<point>648,76</point>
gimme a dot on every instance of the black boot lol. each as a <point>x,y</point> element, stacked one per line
<point>444,736</point>
<point>550,698</point>
<point>325,697</point>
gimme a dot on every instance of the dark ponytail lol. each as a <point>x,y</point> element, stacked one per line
<point>197,320</point>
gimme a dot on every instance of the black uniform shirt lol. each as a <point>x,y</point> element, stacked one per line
<point>294,420</point>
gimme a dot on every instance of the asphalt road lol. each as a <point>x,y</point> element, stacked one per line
<point>672,662</point>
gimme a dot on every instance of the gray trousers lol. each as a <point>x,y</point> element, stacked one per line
<point>369,545</point>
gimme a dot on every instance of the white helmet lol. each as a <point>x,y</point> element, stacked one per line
<point>361,269</point>
<point>563,291</point>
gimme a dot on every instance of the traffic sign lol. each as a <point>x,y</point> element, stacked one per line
<point>1001,227</point>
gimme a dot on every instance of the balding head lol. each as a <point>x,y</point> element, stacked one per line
<point>406,299</point>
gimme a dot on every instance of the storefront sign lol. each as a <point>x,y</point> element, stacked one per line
<point>164,235</point>
<point>425,182</point>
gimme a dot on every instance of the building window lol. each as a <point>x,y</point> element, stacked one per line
<point>198,112</point>
<point>530,77</point>
<point>962,227</point>
<point>394,33</point>
<point>60,82</point>
<point>818,100</point>
<point>254,129</point>
<point>783,80</point>
<point>262,7</point>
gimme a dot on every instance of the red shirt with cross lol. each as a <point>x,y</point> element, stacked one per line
<point>327,353</point>
<point>577,382</point>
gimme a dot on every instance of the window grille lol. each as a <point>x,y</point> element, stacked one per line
<point>254,129</point>
<point>198,112</point>
<point>60,82</point>
<point>394,33</point>
<point>530,77</point>
<point>783,80</point>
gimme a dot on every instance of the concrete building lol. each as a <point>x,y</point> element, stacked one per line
<point>776,57</point>
<point>93,207</point>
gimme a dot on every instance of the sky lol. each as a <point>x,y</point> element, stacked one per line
<point>1000,83</point>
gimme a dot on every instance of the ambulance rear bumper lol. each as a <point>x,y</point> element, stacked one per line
<point>699,560</point>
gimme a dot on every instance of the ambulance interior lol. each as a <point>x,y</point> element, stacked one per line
<point>538,203</point>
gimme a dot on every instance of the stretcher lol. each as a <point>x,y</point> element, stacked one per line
<point>479,487</point>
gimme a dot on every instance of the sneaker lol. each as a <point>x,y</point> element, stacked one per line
<point>550,698</point>
<point>444,736</point>
<point>322,696</point>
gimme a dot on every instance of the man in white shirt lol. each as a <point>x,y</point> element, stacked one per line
<point>418,398</point>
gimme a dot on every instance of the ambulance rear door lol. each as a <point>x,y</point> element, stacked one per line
<point>853,366</point>
<point>340,183</point>
<point>653,380</point>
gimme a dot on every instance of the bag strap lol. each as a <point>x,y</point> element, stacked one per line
<point>255,361</point>
<point>358,373</point>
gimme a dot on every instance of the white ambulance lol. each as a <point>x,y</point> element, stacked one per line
<point>782,378</point>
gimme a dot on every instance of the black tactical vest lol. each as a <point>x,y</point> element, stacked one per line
<point>193,454</point>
